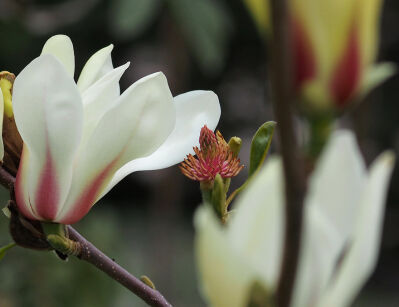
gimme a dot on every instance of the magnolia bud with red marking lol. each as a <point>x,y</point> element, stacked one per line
<point>334,46</point>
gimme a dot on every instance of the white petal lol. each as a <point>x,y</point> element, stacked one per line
<point>1,125</point>
<point>320,250</point>
<point>193,110</point>
<point>338,181</point>
<point>61,47</point>
<point>100,97</point>
<point>49,115</point>
<point>96,67</point>
<point>361,258</point>
<point>225,279</point>
<point>136,125</point>
<point>257,227</point>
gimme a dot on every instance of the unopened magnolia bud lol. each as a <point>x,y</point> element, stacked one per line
<point>332,66</point>
<point>6,84</point>
<point>11,139</point>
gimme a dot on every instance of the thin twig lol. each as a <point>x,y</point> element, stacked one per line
<point>94,256</point>
<point>295,183</point>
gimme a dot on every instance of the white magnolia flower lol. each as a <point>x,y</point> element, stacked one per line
<point>80,139</point>
<point>343,217</point>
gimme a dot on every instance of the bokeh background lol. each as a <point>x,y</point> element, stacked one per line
<point>145,223</point>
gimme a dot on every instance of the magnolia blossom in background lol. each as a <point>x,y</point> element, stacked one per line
<point>343,215</point>
<point>334,46</point>
<point>80,139</point>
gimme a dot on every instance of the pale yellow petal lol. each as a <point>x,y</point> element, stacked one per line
<point>225,279</point>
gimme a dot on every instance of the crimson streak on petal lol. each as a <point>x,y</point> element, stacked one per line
<point>347,74</point>
<point>47,193</point>
<point>89,196</point>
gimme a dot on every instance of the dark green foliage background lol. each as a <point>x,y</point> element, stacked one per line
<point>145,223</point>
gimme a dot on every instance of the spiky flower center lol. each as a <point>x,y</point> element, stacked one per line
<point>213,157</point>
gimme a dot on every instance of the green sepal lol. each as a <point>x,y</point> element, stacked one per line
<point>218,197</point>
<point>259,149</point>
<point>235,144</point>
<point>260,146</point>
<point>214,194</point>
<point>5,249</point>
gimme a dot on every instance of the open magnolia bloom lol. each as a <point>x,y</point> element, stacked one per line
<point>344,210</point>
<point>80,139</point>
<point>334,47</point>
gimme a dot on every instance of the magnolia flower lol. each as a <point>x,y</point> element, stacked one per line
<point>80,139</point>
<point>334,46</point>
<point>343,216</point>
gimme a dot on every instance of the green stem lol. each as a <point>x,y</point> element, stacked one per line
<point>319,131</point>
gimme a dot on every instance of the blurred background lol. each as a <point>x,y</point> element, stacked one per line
<point>145,222</point>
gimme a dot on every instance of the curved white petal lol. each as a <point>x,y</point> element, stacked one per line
<point>1,125</point>
<point>193,110</point>
<point>361,257</point>
<point>338,181</point>
<point>320,250</point>
<point>135,126</point>
<point>96,67</point>
<point>256,230</point>
<point>49,115</point>
<point>225,279</point>
<point>61,47</point>
<point>99,98</point>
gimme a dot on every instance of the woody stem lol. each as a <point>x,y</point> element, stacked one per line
<point>295,182</point>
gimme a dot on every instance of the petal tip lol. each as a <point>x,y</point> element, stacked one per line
<point>388,158</point>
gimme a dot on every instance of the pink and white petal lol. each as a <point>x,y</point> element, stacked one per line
<point>193,110</point>
<point>224,276</point>
<point>61,47</point>
<point>256,230</point>
<point>49,115</point>
<point>361,258</point>
<point>99,98</point>
<point>338,181</point>
<point>135,126</point>
<point>96,67</point>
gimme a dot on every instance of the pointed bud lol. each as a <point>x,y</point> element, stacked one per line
<point>6,83</point>
<point>11,139</point>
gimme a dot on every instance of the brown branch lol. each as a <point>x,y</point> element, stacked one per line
<point>295,182</point>
<point>94,256</point>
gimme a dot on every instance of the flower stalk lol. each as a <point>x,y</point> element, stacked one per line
<point>295,184</point>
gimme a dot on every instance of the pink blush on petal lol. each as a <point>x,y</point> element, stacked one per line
<point>88,197</point>
<point>47,193</point>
